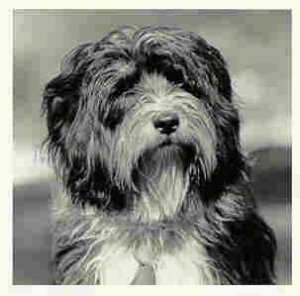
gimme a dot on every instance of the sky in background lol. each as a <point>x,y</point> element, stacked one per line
<point>256,45</point>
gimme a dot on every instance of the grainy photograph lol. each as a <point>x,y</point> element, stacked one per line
<point>152,147</point>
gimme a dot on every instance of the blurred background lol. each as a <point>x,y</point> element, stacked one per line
<point>257,47</point>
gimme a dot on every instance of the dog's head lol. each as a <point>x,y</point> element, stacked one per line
<point>138,106</point>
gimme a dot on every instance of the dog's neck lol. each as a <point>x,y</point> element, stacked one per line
<point>115,246</point>
<point>162,193</point>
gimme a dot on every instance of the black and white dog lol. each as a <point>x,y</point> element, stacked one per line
<point>144,134</point>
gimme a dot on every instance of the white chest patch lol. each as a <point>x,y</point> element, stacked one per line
<point>121,257</point>
<point>185,267</point>
<point>177,269</point>
<point>119,269</point>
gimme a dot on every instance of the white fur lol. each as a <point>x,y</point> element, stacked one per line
<point>119,269</point>
<point>180,268</point>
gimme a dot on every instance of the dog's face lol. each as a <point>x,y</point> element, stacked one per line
<point>140,111</point>
<point>163,127</point>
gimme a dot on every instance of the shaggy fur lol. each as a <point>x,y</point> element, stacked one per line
<point>144,134</point>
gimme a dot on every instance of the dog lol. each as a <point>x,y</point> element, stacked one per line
<point>143,133</point>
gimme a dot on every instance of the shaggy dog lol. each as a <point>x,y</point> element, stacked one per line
<point>144,134</point>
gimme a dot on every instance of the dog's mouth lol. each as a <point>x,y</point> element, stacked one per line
<point>167,152</point>
<point>167,142</point>
<point>166,157</point>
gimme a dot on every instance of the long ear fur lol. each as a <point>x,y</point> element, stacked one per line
<point>73,136</point>
<point>61,103</point>
<point>61,98</point>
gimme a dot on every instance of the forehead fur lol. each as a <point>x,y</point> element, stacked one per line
<point>116,62</point>
<point>158,86</point>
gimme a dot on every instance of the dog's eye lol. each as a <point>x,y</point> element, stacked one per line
<point>125,85</point>
<point>129,94</point>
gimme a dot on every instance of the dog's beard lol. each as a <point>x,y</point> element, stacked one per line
<point>162,180</point>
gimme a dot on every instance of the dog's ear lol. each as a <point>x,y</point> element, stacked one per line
<point>69,129</point>
<point>61,95</point>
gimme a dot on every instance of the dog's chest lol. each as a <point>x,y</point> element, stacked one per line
<point>117,252</point>
<point>187,265</point>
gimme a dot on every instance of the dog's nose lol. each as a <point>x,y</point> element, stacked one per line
<point>166,123</point>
